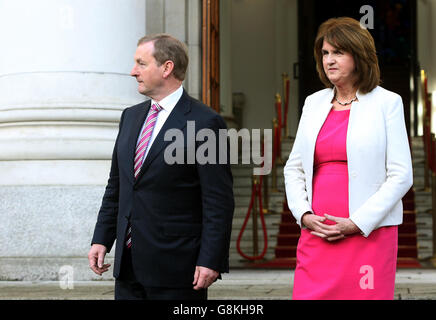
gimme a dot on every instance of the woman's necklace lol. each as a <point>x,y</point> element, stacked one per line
<point>346,103</point>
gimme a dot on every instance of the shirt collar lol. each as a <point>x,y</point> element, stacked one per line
<point>169,102</point>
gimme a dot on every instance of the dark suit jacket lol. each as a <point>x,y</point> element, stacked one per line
<point>181,214</point>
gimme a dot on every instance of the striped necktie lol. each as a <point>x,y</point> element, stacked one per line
<point>141,148</point>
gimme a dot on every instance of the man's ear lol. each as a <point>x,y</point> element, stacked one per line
<point>168,67</point>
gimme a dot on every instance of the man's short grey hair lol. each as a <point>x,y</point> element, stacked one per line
<point>166,47</point>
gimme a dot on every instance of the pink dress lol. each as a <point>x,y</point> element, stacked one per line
<point>352,268</point>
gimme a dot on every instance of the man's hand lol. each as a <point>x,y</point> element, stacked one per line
<point>204,277</point>
<point>96,259</point>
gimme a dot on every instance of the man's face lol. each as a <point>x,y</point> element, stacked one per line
<point>146,70</point>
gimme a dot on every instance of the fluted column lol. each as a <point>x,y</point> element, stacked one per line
<point>226,59</point>
<point>64,80</point>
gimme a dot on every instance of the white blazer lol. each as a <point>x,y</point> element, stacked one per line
<point>379,162</point>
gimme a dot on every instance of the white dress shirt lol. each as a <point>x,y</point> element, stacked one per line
<point>168,103</point>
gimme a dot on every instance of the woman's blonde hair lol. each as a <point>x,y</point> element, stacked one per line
<point>346,34</point>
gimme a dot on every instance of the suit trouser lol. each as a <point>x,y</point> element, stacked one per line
<point>128,288</point>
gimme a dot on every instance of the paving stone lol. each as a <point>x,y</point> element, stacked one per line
<point>240,284</point>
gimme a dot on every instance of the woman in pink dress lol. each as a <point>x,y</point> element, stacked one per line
<point>348,170</point>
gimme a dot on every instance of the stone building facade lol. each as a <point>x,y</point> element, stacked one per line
<point>65,79</point>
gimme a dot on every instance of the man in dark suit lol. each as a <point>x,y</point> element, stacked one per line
<point>172,222</point>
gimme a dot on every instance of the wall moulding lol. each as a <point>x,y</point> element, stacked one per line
<point>63,88</point>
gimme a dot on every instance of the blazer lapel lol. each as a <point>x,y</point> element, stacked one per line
<point>324,111</point>
<point>176,120</point>
<point>315,126</point>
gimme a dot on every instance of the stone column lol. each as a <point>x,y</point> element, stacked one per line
<point>181,19</point>
<point>64,80</point>
<point>226,62</point>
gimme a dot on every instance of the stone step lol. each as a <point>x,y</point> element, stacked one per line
<point>272,224</point>
<point>275,201</point>
<point>241,211</point>
<point>423,198</point>
<point>426,245</point>
<point>246,191</point>
<point>424,210</point>
<point>424,233</point>
<point>247,236</point>
<point>424,220</point>
<point>247,170</point>
<point>236,261</point>
<point>247,245</point>
<point>247,183</point>
<point>418,153</point>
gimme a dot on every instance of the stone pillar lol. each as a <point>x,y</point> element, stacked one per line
<point>226,61</point>
<point>181,19</point>
<point>64,80</point>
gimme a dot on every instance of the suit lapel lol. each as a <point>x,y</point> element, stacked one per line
<point>176,120</point>
<point>135,130</point>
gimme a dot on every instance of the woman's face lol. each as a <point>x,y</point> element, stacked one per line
<point>338,65</point>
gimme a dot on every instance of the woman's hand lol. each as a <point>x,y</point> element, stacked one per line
<point>337,231</point>
<point>319,228</point>
<point>344,225</point>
